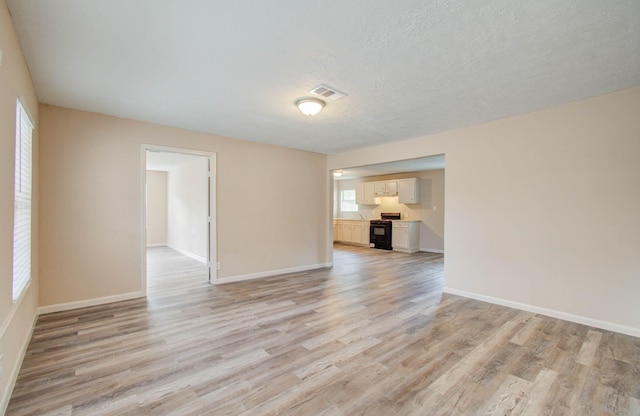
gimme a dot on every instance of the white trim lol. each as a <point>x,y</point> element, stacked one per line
<point>213,216</point>
<point>88,302</point>
<point>14,308</point>
<point>405,250</point>
<point>188,254</point>
<point>157,245</point>
<point>431,250</point>
<point>143,219</point>
<point>609,326</point>
<point>15,370</point>
<point>23,202</point>
<point>271,273</point>
<point>23,103</point>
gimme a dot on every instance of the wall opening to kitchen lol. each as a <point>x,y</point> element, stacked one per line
<point>364,193</point>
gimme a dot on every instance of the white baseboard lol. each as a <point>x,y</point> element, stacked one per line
<point>89,302</point>
<point>15,369</point>
<point>405,250</point>
<point>188,254</point>
<point>259,275</point>
<point>431,250</point>
<point>596,323</point>
<point>157,245</point>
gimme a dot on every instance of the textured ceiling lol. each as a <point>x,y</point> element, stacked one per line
<point>409,67</point>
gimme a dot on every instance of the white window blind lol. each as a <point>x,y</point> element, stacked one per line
<point>22,203</point>
<point>348,200</point>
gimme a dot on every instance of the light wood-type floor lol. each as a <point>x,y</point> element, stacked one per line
<point>374,335</point>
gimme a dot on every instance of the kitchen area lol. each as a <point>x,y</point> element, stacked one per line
<point>401,211</point>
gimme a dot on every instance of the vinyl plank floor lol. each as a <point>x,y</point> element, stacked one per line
<point>374,335</point>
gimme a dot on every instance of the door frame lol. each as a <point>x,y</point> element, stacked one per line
<point>212,242</point>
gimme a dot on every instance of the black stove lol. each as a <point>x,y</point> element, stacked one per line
<point>386,217</point>
<point>380,230</point>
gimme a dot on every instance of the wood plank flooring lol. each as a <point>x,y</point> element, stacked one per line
<point>374,335</point>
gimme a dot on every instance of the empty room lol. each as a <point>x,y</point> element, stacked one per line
<point>319,208</point>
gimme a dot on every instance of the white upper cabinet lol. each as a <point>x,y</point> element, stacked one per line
<point>392,187</point>
<point>386,188</point>
<point>379,188</point>
<point>365,194</point>
<point>408,191</point>
<point>360,194</point>
<point>369,193</point>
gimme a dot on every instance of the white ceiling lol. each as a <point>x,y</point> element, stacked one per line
<point>410,67</point>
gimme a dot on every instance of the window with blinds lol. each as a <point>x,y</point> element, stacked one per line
<point>22,203</point>
<point>348,200</point>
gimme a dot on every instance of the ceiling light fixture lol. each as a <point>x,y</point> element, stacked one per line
<point>337,173</point>
<point>310,106</point>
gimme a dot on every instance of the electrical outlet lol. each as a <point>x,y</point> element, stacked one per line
<point>218,265</point>
<point>434,208</point>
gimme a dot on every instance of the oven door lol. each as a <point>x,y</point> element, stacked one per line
<point>378,233</point>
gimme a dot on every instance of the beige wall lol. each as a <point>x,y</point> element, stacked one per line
<point>156,208</point>
<point>271,209</point>
<point>542,209</point>
<point>15,319</point>
<point>187,212</point>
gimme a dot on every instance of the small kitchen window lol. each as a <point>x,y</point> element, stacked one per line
<point>348,200</point>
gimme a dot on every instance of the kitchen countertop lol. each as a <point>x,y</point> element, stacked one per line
<point>370,219</point>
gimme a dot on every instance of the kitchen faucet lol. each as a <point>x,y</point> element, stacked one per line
<point>361,216</point>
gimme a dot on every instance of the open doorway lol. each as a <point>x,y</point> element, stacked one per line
<point>413,191</point>
<point>178,215</point>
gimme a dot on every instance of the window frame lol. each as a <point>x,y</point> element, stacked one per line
<point>352,206</point>
<point>22,203</point>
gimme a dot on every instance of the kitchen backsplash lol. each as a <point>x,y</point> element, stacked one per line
<point>387,204</point>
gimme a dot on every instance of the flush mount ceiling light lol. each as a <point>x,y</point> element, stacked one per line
<point>337,173</point>
<point>310,106</point>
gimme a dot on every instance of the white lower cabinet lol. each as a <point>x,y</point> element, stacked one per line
<point>346,231</point>
<point>356,232</point>
<point>365,233</point>
<point>351,231</point>
<point>337,230</point>
<point>405,236</point>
